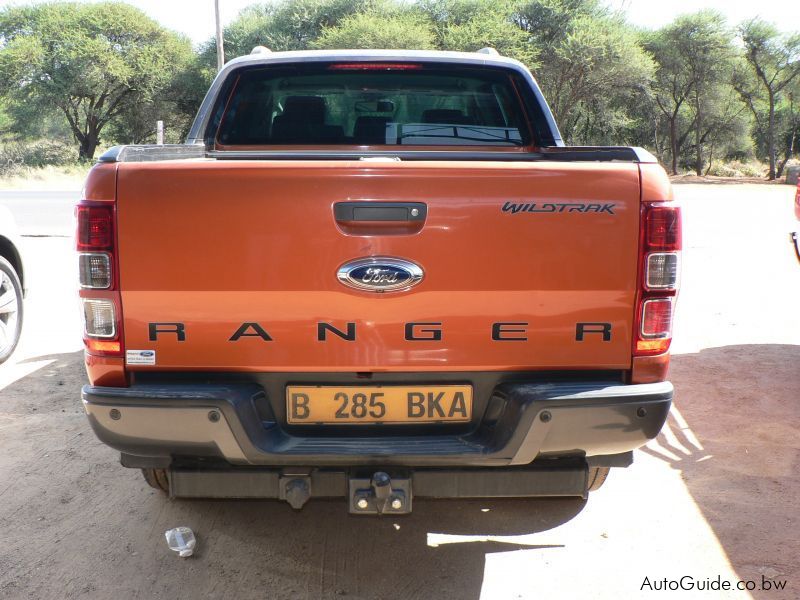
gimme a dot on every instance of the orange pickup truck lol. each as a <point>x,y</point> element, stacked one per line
<point>377,275</point>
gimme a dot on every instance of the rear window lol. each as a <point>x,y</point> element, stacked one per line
<point>372,104</point>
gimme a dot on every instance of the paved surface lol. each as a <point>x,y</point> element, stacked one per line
<point>41,213</point>
<point>714,495</point>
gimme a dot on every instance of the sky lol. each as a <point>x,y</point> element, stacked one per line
<point>195,18</point>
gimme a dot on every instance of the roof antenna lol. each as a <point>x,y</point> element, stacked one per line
<point>260,50</point>
<point>488,50</point>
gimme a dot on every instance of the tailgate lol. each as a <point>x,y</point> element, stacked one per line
<point>518,259</point>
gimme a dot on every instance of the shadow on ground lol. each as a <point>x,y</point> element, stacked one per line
<point>734,433</point>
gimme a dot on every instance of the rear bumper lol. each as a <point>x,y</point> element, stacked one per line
<point>522,422</point>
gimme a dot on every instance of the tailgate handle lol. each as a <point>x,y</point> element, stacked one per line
<point>380,211</point>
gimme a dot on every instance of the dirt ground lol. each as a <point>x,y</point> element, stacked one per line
<point>715,494</point>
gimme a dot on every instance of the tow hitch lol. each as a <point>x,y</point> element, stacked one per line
<point>380,495</point>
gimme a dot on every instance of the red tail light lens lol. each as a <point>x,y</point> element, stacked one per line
<point>656,320</point>
<point>95,227</point>
<point>662,228</point>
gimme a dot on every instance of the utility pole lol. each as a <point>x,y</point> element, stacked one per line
<point>220,49</point>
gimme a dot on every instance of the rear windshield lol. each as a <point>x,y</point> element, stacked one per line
<point>366,105</point>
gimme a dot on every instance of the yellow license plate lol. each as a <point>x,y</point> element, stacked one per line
<point>378,404</point>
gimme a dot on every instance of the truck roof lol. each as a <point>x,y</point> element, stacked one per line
<point>477,58</point>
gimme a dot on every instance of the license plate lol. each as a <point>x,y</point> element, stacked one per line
<point>378,404</point>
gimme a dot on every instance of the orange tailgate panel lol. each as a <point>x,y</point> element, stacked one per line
<point>213,244</point>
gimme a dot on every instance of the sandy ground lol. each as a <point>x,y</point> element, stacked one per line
<point>714,495</point>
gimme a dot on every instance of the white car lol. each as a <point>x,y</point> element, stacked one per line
<point>11,285</point>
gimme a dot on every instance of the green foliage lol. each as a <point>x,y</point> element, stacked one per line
<point>767,85</point>
<point>593,68</point>
<point>35,153</point>
<point>468,25</point>
<point>379,31</point>
<point>285,25</point>
<point>93,62</point>
<point>691,91</point>
<point>737,168</point>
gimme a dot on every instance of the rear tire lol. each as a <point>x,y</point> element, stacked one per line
<point>10,309</point>
<point>597,477</point>
<point>157,479</point>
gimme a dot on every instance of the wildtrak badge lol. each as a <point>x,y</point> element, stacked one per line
<point>552,207</point>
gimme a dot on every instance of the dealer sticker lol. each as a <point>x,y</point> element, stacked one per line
<point>140,357</point>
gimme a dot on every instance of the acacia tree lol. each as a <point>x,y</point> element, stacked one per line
<point>375,29</point>
<point>468,25</point>
<point>774,62</point>
<point>693,57</point>
<point>592,66</point>
<point>282,25</point>
<point>91,61</point>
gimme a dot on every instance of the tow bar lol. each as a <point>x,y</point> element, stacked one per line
<point>380,495</point>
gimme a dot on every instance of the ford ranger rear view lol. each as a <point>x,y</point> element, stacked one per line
<point>376,275</point>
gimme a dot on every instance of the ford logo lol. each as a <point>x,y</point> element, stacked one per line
<point>380,274</point>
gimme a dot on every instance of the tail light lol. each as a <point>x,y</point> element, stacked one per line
<point>659,272</point>
<point>96,243</point>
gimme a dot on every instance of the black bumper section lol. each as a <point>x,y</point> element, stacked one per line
<point>563,478</point>
<point>522,422</point>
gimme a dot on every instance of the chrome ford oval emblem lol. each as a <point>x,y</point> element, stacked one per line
<point>380,274</point>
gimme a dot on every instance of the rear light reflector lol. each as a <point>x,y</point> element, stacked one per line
<point>94,270</point>
<point>99,318</point>
<point>103,346</point>
<point>95,227</point>
<point>656,318</point>
<point>662,271</point>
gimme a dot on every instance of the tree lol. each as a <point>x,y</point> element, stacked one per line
<point>285,25</point>
<point>93,62</point>
<point>402,30</point>
<point>593,67</point>
<point>774,61</point>
<point>693,57</point>
<point>176,104</point>
<point>468,25</point>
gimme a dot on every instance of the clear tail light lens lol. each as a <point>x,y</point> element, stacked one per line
<point>94,270</point>
<point>99,318</point>
<point>662,271</point>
